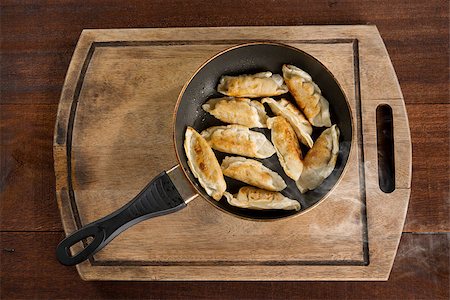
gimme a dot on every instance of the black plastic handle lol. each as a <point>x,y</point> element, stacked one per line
<point>158,198</point>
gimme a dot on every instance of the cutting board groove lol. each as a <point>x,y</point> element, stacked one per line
<point>114,115</point>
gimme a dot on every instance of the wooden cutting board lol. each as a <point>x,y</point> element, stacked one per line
<point>114,133</point>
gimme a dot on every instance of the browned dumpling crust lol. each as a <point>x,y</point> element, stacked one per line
<point>264,84</point>
<point>252,172</point>
<point>254,198</point>
<point>307,95</point>
<point>239,140</point>
<point>287,146</point>
<point>203,164</point>
<point>320,161</point>
<point>242,111</point>
<point>299,123</point>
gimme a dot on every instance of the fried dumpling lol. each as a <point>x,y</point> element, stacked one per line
<point>254,198</point>
<point>320,160</point>
<point>297,120</point>
<point>307,95</point>
<point>203,164</point>
<point>238,139</point>
<point>287,146</point>
<point>252,172</point>
<point>264,84</point>
<point>243,111</point>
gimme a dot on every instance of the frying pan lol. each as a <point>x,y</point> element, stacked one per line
<point>171,191</point>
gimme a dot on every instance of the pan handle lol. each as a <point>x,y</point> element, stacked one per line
<point>158,198</point>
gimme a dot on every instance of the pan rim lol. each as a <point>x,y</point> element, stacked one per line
<point>212,201</point>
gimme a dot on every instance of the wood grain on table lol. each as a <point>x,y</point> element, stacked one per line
<point>37,41</point>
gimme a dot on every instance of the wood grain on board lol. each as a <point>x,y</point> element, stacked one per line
<point>28,186</point>
<point>417,52</point>
<point>26,147</point>
<point>122,121</point>
<point>421,271</point>
<point>37,41</point>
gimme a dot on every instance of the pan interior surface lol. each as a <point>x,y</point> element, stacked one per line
<point>250,59</point>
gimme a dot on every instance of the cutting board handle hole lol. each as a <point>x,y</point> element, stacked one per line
<point>385,147</point>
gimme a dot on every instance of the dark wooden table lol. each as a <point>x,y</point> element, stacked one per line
<point>37,41</point>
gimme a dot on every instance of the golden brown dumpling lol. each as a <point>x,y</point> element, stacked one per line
<point>297,120</point>
<point>307,95</point>
<point>287,146</point>
<point>203,164</point>
<point>264,84</point>
<point>254,198</point>
<point>238,139</point>
<point>320,161</point>
<point>243,111</point>
<point>252,172</point>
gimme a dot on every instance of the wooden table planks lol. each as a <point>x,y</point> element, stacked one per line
<point>37,41</point>
<point>425,278</point>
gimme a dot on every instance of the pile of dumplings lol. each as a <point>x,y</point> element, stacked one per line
<point>291,126</point>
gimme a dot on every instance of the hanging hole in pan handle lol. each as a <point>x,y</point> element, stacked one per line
<point>92,231</point>
<point>159,197</point>
<point>385,147</point>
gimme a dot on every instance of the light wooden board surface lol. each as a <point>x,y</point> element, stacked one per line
<point>126,83</point>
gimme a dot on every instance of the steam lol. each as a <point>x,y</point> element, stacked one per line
<point>344,224</point>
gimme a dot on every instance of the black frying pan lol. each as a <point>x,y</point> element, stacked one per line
<point>163,194</point>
